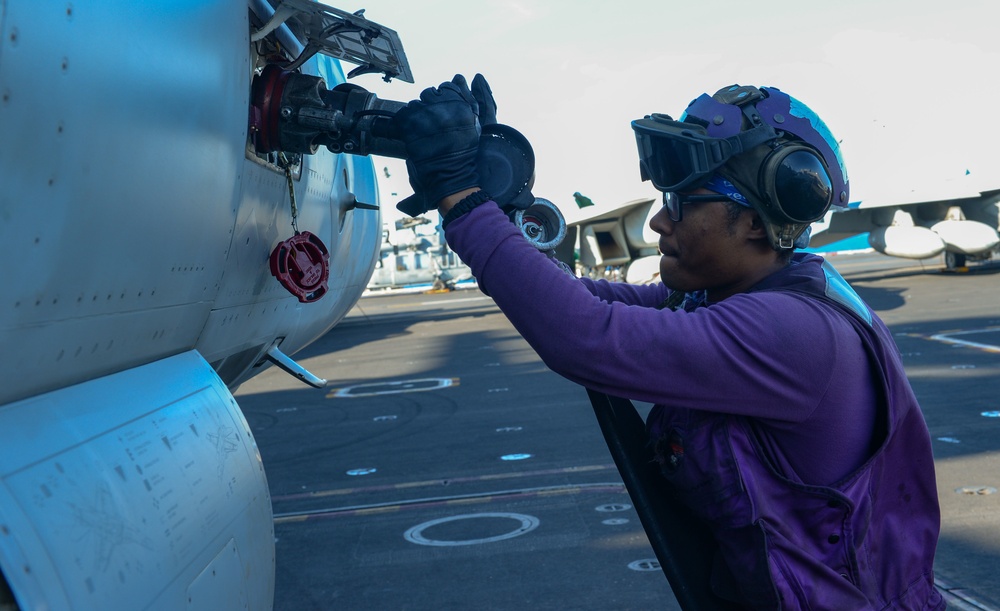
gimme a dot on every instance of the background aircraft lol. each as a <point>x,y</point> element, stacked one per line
<point>961,223</point>
<point>617,244</point>
<point>143,210</point>
<point>415,256</point>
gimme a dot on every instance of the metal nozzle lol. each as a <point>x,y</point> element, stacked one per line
<point>542,224</point>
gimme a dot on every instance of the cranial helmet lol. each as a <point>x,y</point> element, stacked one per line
<point>772,147</point>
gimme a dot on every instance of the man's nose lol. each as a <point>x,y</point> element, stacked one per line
<point>661,223</point>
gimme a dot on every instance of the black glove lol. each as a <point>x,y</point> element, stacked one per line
<point>484,98</point>
<point>441,132</point>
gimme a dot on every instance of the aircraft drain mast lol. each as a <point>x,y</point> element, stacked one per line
<point>296,113</point>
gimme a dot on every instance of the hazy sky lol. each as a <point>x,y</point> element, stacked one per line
<point>910,88</point>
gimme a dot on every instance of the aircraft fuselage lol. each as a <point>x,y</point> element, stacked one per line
<point>139,219</point>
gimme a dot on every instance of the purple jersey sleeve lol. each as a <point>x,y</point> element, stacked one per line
<point>612,339</point>
<point>648,295</point>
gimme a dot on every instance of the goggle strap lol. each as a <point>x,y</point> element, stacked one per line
<point>721,150</point>
<point>751,139</point>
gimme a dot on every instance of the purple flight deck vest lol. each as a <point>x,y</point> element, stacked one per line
<point>866,542</point>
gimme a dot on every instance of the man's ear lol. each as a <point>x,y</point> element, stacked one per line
<point>757,229</point>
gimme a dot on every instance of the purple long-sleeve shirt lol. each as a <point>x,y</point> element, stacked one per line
<point>783,417</point>
<point>767,355</point>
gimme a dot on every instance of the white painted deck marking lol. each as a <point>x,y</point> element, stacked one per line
<point>515,456</point>
<point>391,388</point>
<point>613,507</point>
<point>648,564</point>
<point>366,471</point>
<point>527,524</point>
<point>949,338</point>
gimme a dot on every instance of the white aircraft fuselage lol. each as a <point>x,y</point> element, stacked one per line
<point>138,220</point>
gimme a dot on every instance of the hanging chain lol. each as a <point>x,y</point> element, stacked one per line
<point>285,163</point>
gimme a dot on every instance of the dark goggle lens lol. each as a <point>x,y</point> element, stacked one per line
<point>666,163</point>
<point>673,155</point>
<point>802,188</point>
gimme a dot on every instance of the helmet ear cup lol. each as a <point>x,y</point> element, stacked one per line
<point>796,183</point>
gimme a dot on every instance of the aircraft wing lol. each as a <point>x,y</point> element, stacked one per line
<point>961,222</point>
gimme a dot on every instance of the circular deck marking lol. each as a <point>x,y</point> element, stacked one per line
<point>648,564</point>
<point>527,524</point>
<point>515,456</point>
<point>392,388</point>
<point>991,414</point>
<point>615,521</point>
<point>508,429</point>
<point>613,507</point>
<point>384,418</point>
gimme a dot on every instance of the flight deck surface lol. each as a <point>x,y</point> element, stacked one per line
<point>446,468</point>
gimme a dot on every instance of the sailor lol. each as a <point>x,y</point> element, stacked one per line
<point>783,417</point>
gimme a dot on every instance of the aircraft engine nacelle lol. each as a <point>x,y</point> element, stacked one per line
<point>906,242</point>
<point>637,230</point>
<point>966,237</point>
<point>614,239</point>
<point>987,211</point>
<point>603,244</point>
<point>152,497</point>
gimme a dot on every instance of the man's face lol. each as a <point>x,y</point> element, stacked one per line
<point>703,250</point>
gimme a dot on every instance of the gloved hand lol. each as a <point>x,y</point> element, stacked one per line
<point>484,99</point>
<point>441,132</point>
